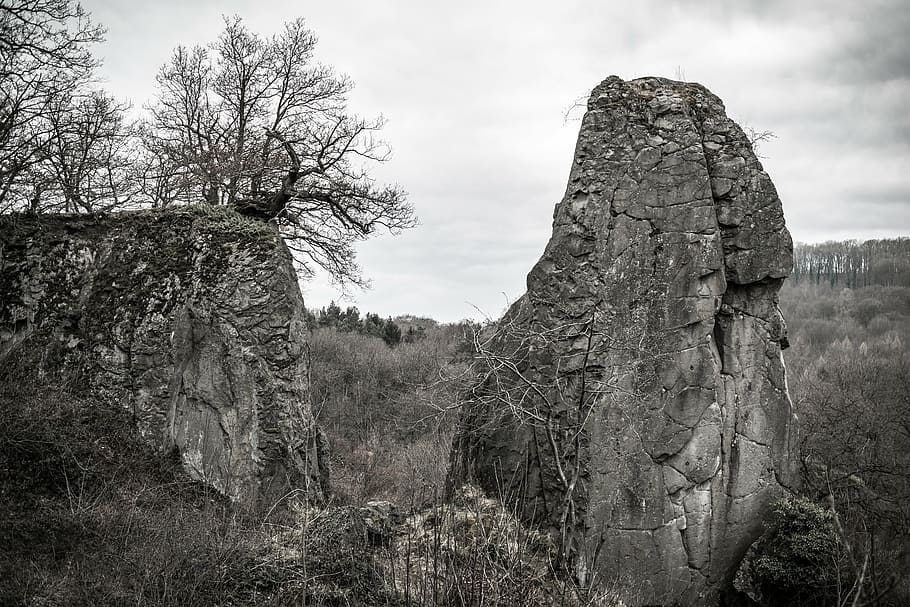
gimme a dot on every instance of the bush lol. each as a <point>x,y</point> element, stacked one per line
<point>796,561</point>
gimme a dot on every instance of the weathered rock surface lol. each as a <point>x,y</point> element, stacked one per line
<point>192,318</point>
<point>636,401</point>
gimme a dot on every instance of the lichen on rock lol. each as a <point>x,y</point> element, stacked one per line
<point>635,400</point>
<point>191,317</point>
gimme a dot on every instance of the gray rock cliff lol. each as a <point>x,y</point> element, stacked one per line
<point>635,400</point>
<point>191,318</point>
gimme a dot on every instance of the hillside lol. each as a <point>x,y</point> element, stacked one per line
<point>93,516</point>
<point>849,376</point>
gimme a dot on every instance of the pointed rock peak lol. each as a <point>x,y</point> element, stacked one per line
<point>634,399</point>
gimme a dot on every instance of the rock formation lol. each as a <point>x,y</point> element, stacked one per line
<point>635,400</point>
<point>191,318</point>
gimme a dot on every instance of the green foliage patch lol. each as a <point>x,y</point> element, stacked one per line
<point>795,561</point>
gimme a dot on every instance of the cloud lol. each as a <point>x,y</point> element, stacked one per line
<point>474,93</point>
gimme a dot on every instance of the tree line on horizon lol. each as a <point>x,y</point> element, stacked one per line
<point>349,320</point>
<point>854,264</point>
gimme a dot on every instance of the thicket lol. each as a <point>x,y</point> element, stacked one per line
<point>90,516</point>
<point>389,412</point>
<point>797,559</point>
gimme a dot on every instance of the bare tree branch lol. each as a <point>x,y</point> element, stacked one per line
<point>258,124</point>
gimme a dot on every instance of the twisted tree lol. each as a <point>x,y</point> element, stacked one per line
<point>258,124</point>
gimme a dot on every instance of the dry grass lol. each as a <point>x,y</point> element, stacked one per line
<point>90,516</point>
<point>93,518</point>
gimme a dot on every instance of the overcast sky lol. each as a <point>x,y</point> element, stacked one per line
<point>475,95</point>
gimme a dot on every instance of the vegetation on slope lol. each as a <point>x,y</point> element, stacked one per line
<point>90,516</point>
<point>389,412</point>
<point>849,377</point>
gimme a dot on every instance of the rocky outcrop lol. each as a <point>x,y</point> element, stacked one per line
<point>635,400</point>
<point>191,318</point>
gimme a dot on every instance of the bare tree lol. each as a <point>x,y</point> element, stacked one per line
<point>757,138</point>
<point>855,439</point>
<point>257,124</point>
<point>43,56</point>
<point>160,179</point>
<point>87,153</point>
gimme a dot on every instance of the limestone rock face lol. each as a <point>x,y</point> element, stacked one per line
<point>635,401</point>
<point>193,319</point>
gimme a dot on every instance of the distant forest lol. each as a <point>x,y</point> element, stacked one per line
<point>853,264</point>
<point>406,328</point>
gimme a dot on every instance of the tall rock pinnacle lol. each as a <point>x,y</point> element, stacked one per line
<point>635,401</point>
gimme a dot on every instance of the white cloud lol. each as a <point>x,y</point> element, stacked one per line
<point>474,93</point>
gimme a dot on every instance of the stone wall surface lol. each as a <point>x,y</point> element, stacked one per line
<point>191,318</point>
<point>635,400</point>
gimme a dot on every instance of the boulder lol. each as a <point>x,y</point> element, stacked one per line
<point>191,318</point>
